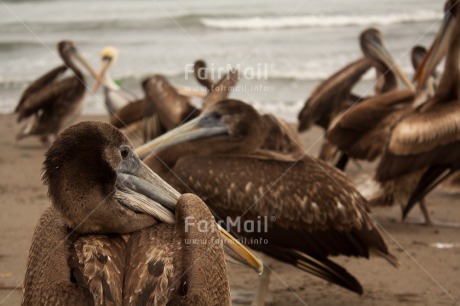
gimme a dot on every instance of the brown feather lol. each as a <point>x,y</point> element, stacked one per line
<point>328,98</point>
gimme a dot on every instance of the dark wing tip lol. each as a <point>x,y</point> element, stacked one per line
<point>329,271</point>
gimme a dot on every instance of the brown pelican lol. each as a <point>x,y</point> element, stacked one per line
<point>115,96</point>
<point>424,146</point>
<point>318,212</point>
<point>334,95</point>
<point>116,233</point>
<point>49,103</point>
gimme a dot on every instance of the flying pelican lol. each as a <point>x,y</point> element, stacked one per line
<point>50,103</point>
<point>116,233</point>
<point>334,95</point>
<point>424,146</point>
<point>318,211</point>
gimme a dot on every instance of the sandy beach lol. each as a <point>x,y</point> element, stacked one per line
<point>428,275</point>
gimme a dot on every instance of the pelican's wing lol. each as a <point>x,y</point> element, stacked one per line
<point>426,130</point>
<point>46,97</point>
<point>150,271</point>
<point>423,139</point>
<point>282,137</point>
<point>48,279</point>
<point>331,96</point>
<point>221,89</point>
<point>305,196</point>
<point>363,129</point>
<point>307,206</point>
<point>201,255</point>
<point>98,265</point>
<point>40,83</point>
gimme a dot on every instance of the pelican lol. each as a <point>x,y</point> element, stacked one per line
<point>116,97</point>
<point>116,233</point>
<point>318,212</point>
<point>334,95</point>
<point>50,103</point>
<point>424,146</point>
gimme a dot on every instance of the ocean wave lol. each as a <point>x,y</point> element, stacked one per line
<point>256,23</point>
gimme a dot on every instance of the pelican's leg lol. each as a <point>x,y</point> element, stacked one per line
<point>258,298</point>
<point>262,289</point>
<point>426,213</point>
<point>428,221</point>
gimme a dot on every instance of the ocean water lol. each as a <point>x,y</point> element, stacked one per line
<point>283,48</point>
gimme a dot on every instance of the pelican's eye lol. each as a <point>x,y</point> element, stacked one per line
<point>125,151</point>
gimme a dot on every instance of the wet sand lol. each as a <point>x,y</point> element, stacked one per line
<point>427,275</point>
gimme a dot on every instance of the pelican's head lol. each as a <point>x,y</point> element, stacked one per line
<point>227,126</point>
<point>108,57</point>
<point>371,41</point>
<point>69,52</point>
<point>417,55</point>
<point>440,44</point>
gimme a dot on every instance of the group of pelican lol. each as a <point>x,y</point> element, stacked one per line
<point>118,229</point>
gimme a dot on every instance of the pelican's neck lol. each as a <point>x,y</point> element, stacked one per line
<point>389,81</point>
<point>448,89</point>
<point>109,82</point>
<point>70,63</point>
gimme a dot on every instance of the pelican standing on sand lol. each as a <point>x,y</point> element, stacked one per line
<point>318,211</point>
<point>50,103</point>
<point>117,234</point>
<point>424,146</point>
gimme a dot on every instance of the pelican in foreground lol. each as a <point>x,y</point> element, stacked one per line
<point>117,234</point>
<point>318,211</point>
<point>50,103</point>
<point>424,147</point>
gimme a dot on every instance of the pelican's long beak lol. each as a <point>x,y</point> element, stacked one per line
<point>142,190</point>
<point>105,64</point>
<point>384,55</point>
<point>85,63</point>
<point>203,126</point>
<point>436,52</point>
